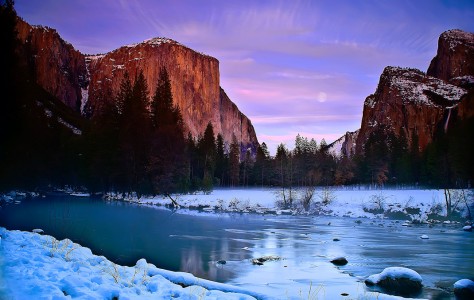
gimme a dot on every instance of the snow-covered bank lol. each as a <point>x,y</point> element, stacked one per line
<point>34,266</point>
<point>413,204</point>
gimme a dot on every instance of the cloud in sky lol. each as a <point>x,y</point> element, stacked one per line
<point>291,66</point>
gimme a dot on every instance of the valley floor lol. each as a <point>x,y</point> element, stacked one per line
<point>38,266</point>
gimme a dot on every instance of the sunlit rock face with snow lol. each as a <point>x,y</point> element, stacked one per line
<point>83,81</point>
<point>414,103</point>
<point>410,101</point>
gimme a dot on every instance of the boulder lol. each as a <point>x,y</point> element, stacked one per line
<point>339,261</point>
<point>467,228</point>
<point>397,280</point>
<point>464,289</point>
<point>259,261</point>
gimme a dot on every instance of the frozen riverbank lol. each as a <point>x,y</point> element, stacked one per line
<point>34,266</point>
<point>407,204</point>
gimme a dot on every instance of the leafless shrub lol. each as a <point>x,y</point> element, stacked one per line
<point>307,197</point>
<point>327,196</point>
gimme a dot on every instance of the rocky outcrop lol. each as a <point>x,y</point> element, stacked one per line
<point>408,101</point>
<point>455,55</point>
<point>83,82</point>
<point>235,123</point>
<point>345,145</point>
<point>466,106</point>
<point>411,102</point>
<point>56,65</point>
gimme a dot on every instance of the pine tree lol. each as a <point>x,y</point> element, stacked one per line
<point>207,151</point>
<point>134,133</point>
<point>162,109</point>
<point>169,165</point>
<point>234,162</point>
<point>221,160</point>
<point>261,165</point>
<point>101,143</point>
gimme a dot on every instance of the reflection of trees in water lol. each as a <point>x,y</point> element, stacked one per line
<point>191,262</point>
<point>202,262</point>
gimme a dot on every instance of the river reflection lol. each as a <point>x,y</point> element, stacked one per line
<point>195,242</point>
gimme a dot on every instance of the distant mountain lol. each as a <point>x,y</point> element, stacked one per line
<point>415,104</point>
<point>81,81</point>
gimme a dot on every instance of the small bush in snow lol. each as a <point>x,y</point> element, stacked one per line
<point>307,197</point>
<point>327,196</point>
<point>379,200</point>
<point>285,197</point>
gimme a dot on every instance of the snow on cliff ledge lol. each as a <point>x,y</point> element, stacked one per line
<point>414,86</point>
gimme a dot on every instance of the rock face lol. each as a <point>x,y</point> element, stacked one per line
<point>455,55</point>
<point>57,66</point>
<point>84,81</point>
<point>411,102</point>
<point>345,145</point>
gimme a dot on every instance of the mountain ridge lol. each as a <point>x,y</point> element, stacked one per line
<point>77,79</point>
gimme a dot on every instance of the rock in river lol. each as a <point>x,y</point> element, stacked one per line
<point>464,289</point>
<point>259,261</point>
<point>397,280</point>
<point>339,261</point>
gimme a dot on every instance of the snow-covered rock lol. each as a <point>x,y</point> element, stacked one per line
<point>467,228</point>
<point>424,237</point>
<point>397,280</point>
<point>464,289</point>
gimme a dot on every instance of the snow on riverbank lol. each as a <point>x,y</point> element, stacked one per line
<point>413,204</point>
<point>34,266</point>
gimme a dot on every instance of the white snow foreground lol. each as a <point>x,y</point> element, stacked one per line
<point>34,266</point>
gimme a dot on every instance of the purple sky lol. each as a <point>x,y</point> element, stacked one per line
<point>291,66</point>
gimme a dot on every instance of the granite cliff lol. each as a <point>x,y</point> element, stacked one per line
<point>412,102</point>
<point>55,64</point>
<point>455,56</point>
<point>81,80</point>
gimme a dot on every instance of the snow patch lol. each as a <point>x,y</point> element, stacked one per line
<point>73,129</point>
<point>413,84</point>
